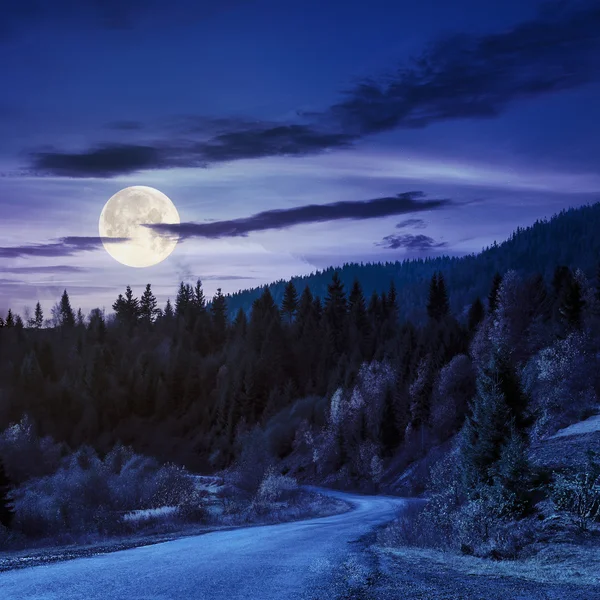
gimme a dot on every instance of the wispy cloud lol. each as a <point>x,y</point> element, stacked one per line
<point>416,223</point>
<point>408,202</point>
<point>52,269</point>
<point>66,246</point>
<point>408,241</point>
<point>462,76</point>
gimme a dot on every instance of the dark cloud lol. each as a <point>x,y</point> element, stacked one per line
<point>117,159</point>
<point>408,202</point>
<point>102,161</point>
<point>408,241</point>
<point>416,223</point>
<point>463,76</point>
<point>469,76</point>
<point>38,270</point>
<point>66,246</point>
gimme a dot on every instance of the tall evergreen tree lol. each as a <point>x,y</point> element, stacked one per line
<point>438,305</point>
<point>218,311</point>
<point>199,299</point>
<point>148,306</point>
<point>305,309</point>
<point>493,295</point>
<point>7,511</point>
<point>335,311</point>
<point>289,305</point>
<point>476,314</point>
<point>571,303</point>
<point>485,431</point>
<point>10,319</point>
<point>67,316</point>
<point>168,313</point>
<point>38,319</point>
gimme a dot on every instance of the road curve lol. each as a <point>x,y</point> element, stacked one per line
<point>272,562</point>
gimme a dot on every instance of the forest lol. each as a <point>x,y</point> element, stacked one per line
<point>340,388</point>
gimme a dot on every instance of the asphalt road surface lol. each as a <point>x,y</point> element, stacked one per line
<point>276,562</point>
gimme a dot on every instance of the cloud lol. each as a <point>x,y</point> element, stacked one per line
<point>109,160</point>
<point>47,269</point>
<point>408,202</point>
<point>463,76</point>
<point>470,76</point>
<point>408,241</point>
<point>66,246</point>
<point>416,223</point>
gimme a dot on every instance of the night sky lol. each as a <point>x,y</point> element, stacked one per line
<point>424,127</point>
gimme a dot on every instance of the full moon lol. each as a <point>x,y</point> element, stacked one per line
<point>124,215</point>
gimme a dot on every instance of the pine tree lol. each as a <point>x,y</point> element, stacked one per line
<point>67,316</point>
<point>289,305</point>
<point>485,431</point>
<point>38,319</point>
<point>357,307</point>
<point>10,319</point>
<point>335,311</point>
<point>148,306</point>
<point>305,310</point>
<point>199,299</point>
<point>80,319</point>
<point>437,304</point>
<point>218,311</point>
<point>392,300</point>
<point>443,303</point>
<point>572,303</point>
<point>493,295</point>
<point>168,313</point>
<point>183,299</point>
<point>18,322</point>
<point>391,436</point>
<point>476,314</point>
<point>7,511</point>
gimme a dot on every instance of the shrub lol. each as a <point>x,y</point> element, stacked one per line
<point>579,493</point>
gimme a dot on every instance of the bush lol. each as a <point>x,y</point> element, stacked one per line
<point>579,494</point>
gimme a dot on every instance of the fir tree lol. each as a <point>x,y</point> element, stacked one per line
<point>7,511</point>
<point>218,311</point>
<point>168,313</point>
<point>67,316</point>
<point>10,319</point>
<point>305,310</point>
<point>19,322</point>
<point>148,306</point>
<point>38,319</point>
<point>357,307</point>
<point>493,295</point>
<point>476,314</point>
<point>79,318</point>
<point>199,299</point>
<point>485,430</point>
<point>438,305</point>
<point>290,301</point>
<point>571,303</point>
<point>335,311</point>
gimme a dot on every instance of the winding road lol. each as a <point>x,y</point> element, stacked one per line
<point>274,562</point>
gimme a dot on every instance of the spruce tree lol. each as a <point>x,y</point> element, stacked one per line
<point>199,299</point>
<point>485,431</point>
<point>67,316</point>
<point>443,303</point>
<point>10,319</point>
<point>476,314</point>
<point>289,305</point>
<point>7,511</point>
<point>335,311</point>
<point>357,307</point>
<point>305,310</point>
<point>493,295</point>
<point>148,306</point>
<point>572,303</point>
<point>38,319</point>
<point>168,313</point>
<point>218,311</point>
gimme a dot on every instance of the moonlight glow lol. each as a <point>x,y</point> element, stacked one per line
<point>124,216</point>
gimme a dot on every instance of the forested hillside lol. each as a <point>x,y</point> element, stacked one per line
<point>569,238</point>
<point>340,388</point>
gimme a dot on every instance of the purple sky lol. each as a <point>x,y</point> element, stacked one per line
<point>238,109</point>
